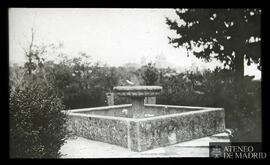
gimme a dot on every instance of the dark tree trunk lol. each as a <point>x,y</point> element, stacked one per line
<point>239,67</point>
<point>239,86</point>
<point>238,63</point>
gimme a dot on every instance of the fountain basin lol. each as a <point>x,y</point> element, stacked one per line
<point>158,126</point>
<point>137,91</point>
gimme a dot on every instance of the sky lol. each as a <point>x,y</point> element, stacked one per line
<point>111,36</point>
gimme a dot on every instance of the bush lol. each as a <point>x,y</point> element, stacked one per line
<point>149,74</point>
<point>37,126</point>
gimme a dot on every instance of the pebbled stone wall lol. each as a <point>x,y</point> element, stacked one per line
<point>140,134</point>
<point>165,131</point>
<point>107,130</point>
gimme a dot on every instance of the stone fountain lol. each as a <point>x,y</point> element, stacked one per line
<point>137,95</point>
<point>140,126</point>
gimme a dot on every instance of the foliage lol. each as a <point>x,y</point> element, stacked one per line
<point>217,89</point>
<point>149,74</point>
<point>80,83</point>
<point>228,35</point>
<point>84,85</point>
<point>16,77</point>
<point>34,54</point>
<point>37,126</point>
<point>36,97</point>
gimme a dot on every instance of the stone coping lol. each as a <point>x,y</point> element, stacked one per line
<point>178,114</point>
<point>179,106</point>
<point>70,113</point>
<point>99,116</point>
<point>138,88</point>
<point>99,108</point>
<point>130,105</point>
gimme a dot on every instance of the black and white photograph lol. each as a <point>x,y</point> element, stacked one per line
<point>135,83</point>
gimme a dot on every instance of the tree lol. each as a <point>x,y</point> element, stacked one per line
<point>37,125</point>
<point>228,35</point>
<point>34,55</point>
<point>149,74</point>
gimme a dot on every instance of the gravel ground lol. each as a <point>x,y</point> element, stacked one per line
<point>83,148</point>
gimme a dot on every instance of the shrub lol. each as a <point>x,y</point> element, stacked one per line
<point>37,126</point>
<point>149,74</point>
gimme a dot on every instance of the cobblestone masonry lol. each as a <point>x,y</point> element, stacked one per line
<point>107,130</point>
<point>164,131</point>
<point>146,133</point>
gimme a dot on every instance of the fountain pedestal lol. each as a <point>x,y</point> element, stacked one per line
<point>137,95</point>
<point>137,109</point>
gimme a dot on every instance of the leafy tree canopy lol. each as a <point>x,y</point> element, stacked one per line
<point>228,35</point>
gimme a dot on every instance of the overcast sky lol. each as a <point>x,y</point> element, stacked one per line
<point>111,36</point>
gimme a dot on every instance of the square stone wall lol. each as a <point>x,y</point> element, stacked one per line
<point>147,133</point>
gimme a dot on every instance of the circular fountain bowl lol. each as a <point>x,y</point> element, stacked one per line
<point>137,91</point>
